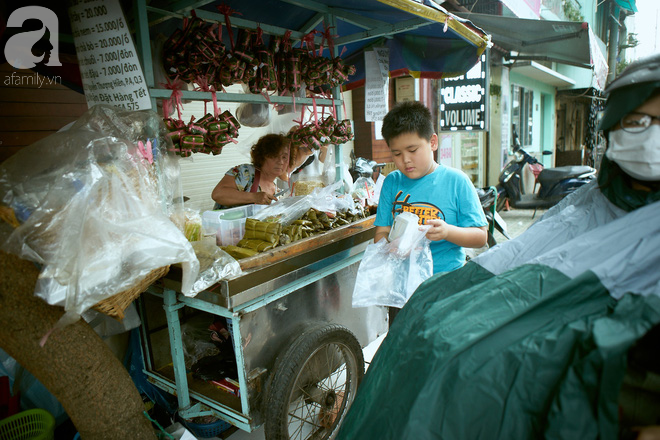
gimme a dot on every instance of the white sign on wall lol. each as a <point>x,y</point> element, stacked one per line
<point>463,99</point>
<point>377,66</point>
<point>109,66</point>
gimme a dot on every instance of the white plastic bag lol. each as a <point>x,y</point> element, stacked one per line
<point>95,203</point>
<point>389,273</point>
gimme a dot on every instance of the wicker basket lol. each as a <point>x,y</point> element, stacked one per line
<point>117,303</point>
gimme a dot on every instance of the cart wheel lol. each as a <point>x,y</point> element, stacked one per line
<point>314,383</point>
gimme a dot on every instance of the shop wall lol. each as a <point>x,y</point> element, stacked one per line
<point>32,107</point>
<point>499,123</point>
<point>543,132</point>
<point>368,141</point>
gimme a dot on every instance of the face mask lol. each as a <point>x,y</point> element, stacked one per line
<point>638,154</point>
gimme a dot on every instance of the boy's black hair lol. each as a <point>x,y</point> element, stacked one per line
<point>408,117</point>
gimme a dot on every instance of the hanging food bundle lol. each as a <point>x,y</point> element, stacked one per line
<point>206,135</point>
<point>195,51</point>
<point>197,54</point>
<point>316,134</point>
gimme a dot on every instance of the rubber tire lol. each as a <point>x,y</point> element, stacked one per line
<point>289,367</point>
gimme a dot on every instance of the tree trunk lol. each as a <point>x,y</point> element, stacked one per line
<point>75,364</point>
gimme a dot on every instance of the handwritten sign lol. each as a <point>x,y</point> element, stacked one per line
<point>109,66</point>
<point>377,66</point>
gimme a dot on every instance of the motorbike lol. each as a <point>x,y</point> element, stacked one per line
<point>487,197</point>
<point>361,167</point>
<point>554,183</point>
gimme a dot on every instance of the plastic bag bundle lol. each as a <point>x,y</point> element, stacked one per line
<point>390,272</point>
<point>285,211</point>
<point>95,203</point>
<point>253,115</point>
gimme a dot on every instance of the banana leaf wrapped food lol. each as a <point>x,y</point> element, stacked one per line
<point>257,245</point>
<point>239,252</point>
<point>264,231</point>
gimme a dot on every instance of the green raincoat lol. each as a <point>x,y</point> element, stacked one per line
<point>526,341</point>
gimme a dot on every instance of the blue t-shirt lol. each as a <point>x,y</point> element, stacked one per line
<point>447,194</point>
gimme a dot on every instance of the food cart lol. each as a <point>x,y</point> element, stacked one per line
<point>296,338</point>
<point>294,331</point>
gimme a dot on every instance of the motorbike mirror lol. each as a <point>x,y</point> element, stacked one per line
<point>547,152</point>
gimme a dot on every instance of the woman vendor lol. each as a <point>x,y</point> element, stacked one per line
<point>272,157</point>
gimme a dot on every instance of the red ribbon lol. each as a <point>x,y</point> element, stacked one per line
<point>327,36</point>
<point>226,10</point>
<point>302,117</point>
<point>204,86</point>
<point>308,41</point>
<point>259,39</point>
<point>316,118</point>
<point>175,98</point>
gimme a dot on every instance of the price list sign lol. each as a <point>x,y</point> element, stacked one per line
<point>377,82</point>
<point>109,66</point>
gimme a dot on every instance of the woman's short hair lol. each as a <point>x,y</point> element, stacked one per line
<point>270,145</point>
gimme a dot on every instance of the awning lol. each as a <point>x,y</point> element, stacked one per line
<point>539,72</point>
<point>564,42</point>
<point>424,39</point>
<point>627,4</point>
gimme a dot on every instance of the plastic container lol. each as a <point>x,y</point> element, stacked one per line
<point>229,224</point>
<point>33,424</point>
<point>206,430</point>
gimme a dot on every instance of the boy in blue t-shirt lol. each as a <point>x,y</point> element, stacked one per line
<point>440,196</point>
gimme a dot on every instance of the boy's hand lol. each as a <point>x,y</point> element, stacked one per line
<point>439,230</point>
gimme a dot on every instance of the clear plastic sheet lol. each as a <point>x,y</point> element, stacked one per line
<point>253,115</point>
<point>390,272</point>
<point>214,265</point>
<point>196,338</point>
<point>285,211</point>
<point>95,203</point>
<point>363,190</point>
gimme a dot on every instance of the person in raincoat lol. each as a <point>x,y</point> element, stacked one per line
<point>530,339</point>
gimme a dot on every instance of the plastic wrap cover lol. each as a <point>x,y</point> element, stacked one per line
<point>528,340</point>
<point>527,354</point>
<point>587,232</point>
<point>214,265</point>
<point>95,203</point>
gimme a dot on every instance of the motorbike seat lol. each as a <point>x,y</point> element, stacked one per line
<point>551,175</point>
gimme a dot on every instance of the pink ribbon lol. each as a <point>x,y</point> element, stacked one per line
<point>327,36</point>
<point>146,151</point>
<point>308,41</point>
<point>204,86</point>
<point>227,11</point>
<point>175,98</point>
